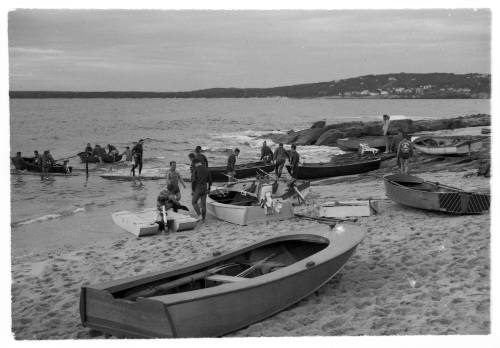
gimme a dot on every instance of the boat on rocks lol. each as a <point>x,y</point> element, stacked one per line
<point>224,293</point>
<point>145,223</point>
<point>30,166</point>
<point>335,168</point>
<point>352,144</point>
<point>450,145</point>
<point>415,192</point>
<point>84,157</point>
<point>265,201</point>
<point>244,170</point>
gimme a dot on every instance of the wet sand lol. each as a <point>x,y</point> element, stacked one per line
<point>416,272</point>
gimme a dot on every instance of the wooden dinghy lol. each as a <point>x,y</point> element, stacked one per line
<point>331,169</point>
<point>352,144</point>
<point>452,145</point>
<point>242,171</point>
<point>144,223</point>
<point>121,177</point>
<point>84,157</point>
<point>219,295</point>
<point>415,192</point>
<point>30,166</point>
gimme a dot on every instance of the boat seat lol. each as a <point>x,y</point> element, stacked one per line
<point>221,278</point>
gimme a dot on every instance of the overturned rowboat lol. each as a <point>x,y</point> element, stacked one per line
<point>144,223</point>
<point>416,192</point>
<point>222,294</point>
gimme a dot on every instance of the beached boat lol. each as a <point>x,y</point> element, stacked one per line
<point>222,294</point>
<point>451,145</point>
<point>416,192</point>
<point>242,171</point>
<point>84,157</point>
<point>130,177</point>
<point>270,200</point>
<point>352,144</point>
<point>330,169</point>
<point>30,166</point>
<point>284,189</point>
<point>144,223</point>
<point>341,209</point>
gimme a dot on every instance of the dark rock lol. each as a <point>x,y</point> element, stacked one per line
<point>354,131</point>
<point>330,137</point>
<point>309,137</point>
<point>318,124</point>
<point>396,125</point>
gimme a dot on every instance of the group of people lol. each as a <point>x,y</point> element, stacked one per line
<point>44,161</point>
<point>135,154</point>
<point>400,144</point>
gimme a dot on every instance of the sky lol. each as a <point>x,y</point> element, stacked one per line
<point>181,50</point>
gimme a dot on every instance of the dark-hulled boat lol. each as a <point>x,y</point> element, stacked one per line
<point>222,294</point>
<point>417,193</point>
<point>244,170</point>
<point>352,144</point>
<point>330,169</point>
<point>30,166</point>
<point>84,156</point>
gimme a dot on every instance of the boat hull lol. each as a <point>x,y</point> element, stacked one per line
<point>224,308</point>
<point>242,170</point>
<point>93,159</point>
<point>460,148</point>
<point>326,170</point>
<point>131,177</point>
<point>436,197</point>
<point>55,169</point>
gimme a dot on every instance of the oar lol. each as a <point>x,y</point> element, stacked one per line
<point>164,213</point>
<point>65,158</point>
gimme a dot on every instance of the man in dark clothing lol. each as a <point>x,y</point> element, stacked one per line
<point>19,162</point>
<point>192,157</point>
<point>294,161</point>
<point>265,153</point>
<point>47,161</point>
<point>137,152</point>
<point>37,160</point>
<point>200,156</point>
<point>231,164</point>
<point>280,155</point>
<point>200,185</point>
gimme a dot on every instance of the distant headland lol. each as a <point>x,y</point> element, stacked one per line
<point>386,86</point>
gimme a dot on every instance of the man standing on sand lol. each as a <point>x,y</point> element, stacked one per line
<point>174,178</point>
<point>201,183</point>
<point>280,155</point>
<point>404,153</point>
<point>294,161</point>
<point>200,156</point>
<point>231,164</point>
<point>396,140</point>
<point>137,152</point>
<point>385,131</point>
<point>265,153</point>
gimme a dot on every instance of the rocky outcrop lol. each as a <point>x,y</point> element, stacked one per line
<point>319,124</point>
<point>309,137</point>
<point>330,137</point>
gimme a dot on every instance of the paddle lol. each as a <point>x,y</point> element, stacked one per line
<point>164,214</point>
<point>66,158</point>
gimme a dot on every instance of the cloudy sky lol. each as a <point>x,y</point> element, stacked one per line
<point>169,50</point>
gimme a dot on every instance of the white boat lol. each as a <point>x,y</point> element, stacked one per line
<point>245,204</point>
<point>345,209</point>
<point>452,145</point>
<point>144,223</point>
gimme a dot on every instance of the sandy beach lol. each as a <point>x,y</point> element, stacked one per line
<point>416,273</point>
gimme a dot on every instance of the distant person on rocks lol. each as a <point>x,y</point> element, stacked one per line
<point>200,156</point>
<point>404,153</point>
<point>19,161</point>
<point>200,185</point>
<point>266,154</point>
<point>47,161</point>
<point>294,161</point>
<point>128,154</point>
<point>396,140</point>
<point>280,155</point>
<point>174,178</point>
<point>137,153</point>
<point>385,130</point>
<point>231,164</point>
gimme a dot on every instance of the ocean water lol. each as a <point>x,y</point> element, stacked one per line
<point>72,210</point>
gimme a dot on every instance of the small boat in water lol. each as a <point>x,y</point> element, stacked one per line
<point>242,171</point>
<point>352,144</point>
<point>331,169</point>
<point>451,145</point>
<point>222,294</point>
<point>417,193</point>
<point>267,201</point>
<point>84,157</point>
<point>144,223</point>
<point>30,166</point>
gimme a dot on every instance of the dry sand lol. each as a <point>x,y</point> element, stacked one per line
<point>416,272</point>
